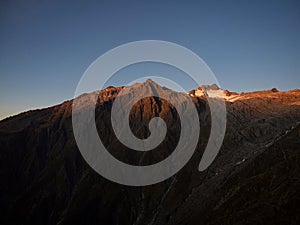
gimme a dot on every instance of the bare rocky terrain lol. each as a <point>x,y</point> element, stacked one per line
<point>255,178</point>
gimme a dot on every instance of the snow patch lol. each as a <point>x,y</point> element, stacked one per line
<point>223,94</point>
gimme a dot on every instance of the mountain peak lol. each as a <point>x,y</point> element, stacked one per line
<point>149,81</point>
<point>151,84</point>
<point>210,87</point>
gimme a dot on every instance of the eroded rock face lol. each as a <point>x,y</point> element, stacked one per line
<point>254,179</point>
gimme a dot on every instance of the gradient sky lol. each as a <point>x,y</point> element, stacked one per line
<point>45,46</point>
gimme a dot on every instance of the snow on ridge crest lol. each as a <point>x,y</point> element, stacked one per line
<point>214,93</point>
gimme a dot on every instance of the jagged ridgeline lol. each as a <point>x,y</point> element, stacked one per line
<point>253,180</point>
<point>141,114</point>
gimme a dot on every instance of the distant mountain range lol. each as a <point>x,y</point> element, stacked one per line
<point>255,178</point>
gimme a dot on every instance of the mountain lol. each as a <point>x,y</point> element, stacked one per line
<point>253,180</point>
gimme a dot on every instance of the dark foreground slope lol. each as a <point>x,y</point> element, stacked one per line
<point>254,180</point>
<point>266,189</point>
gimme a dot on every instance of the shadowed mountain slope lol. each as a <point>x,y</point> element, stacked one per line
<point>253,180</point>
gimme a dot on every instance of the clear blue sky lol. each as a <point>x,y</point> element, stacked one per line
<point>45,46</point>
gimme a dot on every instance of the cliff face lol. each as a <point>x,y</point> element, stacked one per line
<point>253,180</point>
